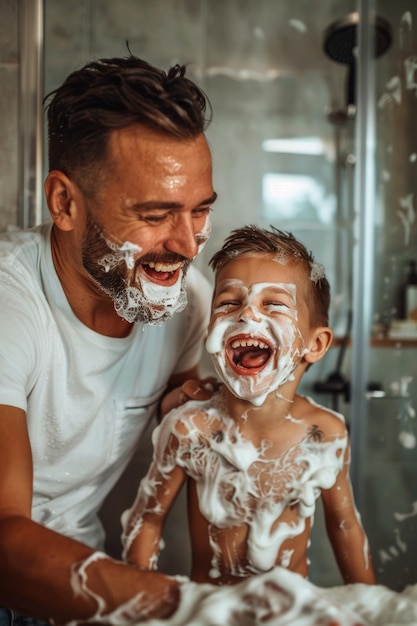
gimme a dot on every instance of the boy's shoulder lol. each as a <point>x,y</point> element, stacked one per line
<point>330,423</point>
<point>192,418</point>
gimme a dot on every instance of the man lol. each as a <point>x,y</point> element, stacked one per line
<point>95,329</point>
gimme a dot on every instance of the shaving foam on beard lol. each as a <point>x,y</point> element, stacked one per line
<point>275,332</point>
<point>173,298</point>
<point>150,303</point>
<point>121,254</point>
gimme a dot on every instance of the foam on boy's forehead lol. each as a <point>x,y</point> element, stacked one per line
<point>281,257</point>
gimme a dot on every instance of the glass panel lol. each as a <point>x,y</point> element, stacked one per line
<point>389,503</point>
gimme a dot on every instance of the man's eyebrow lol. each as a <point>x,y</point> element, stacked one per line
<point>157,204</point>
<point>210,200</point>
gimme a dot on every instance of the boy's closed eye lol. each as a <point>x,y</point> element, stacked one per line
<point>275,303</point>
<point>226,303</point>
<point>280,308</point>
<point>277,307</point>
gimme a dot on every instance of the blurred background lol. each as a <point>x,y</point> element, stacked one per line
<point>314,108</point>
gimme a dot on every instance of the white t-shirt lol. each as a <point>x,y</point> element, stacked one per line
<point>88,397</point>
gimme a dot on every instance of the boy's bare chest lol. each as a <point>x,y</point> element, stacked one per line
<point>237,480</point>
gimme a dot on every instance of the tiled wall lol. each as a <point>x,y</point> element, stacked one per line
<point>9,81</point>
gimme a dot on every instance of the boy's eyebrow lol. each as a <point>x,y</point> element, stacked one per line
<point>288,289</point>
<point>281,287</point>
<point>229,283</point>
<point>151,205</point>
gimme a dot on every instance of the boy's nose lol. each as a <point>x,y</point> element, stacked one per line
<point>248,313</point>
<point>183,239</point>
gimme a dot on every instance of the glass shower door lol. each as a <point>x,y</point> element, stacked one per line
<point>384,428</point>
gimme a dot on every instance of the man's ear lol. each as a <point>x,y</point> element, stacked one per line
<point>319,343</point>
<point>61,197</point>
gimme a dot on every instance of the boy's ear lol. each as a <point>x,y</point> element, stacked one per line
<point>319,343</point>
<point>60,195</point>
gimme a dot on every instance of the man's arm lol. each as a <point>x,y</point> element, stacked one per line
<point>345,530</point>
<point>49,576</point>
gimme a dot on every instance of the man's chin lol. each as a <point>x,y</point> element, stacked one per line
<point>134,305</point>
<point>154,316</point>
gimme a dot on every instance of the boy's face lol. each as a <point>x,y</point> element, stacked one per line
<point>259,328</point>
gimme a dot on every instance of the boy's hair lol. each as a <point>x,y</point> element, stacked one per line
<point>110,94</point>
<point>252,239</point>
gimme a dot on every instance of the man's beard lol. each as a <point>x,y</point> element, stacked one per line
<point>135,298</point>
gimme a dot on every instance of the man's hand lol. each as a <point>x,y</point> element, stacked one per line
<point>124,595</point>
<point>194,389</point>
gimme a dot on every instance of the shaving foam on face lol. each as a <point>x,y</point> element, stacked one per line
<point>204,234</point>
<point>173,298</point>
<point>278,331</point>
<point>141,299</point>
<point>162,307</point>
<point>281,257</point>
<point>124,253</point>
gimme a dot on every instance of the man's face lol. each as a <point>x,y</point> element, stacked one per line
<point>152,217</point>
<point>259,326</point>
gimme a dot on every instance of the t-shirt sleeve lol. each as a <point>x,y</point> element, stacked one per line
<point>18,339</point>
<point>196,319</point>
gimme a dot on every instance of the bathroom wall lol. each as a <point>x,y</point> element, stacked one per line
<point>9,82</point>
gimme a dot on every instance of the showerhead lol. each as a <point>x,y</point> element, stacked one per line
<point>340,38</point>
<point>340,41</point>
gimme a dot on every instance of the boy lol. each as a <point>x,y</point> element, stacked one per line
<point>256,456</point>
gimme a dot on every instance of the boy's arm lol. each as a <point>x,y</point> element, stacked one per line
<point>345,530</point>
<point>143,523</point>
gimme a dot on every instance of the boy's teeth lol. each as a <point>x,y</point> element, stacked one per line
<point>164,267</point>
<point>256,343</point>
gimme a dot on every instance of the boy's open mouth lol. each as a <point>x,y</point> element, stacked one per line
<point>162,273</point>
<point>248,355</point>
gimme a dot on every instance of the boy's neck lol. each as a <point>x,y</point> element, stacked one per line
<point>263,419</point>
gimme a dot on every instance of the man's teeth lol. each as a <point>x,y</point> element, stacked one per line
<point>251,343</point>
<point>164,267</point>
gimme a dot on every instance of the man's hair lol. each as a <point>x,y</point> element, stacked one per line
<point>110,94</point>
<point>252,239</point>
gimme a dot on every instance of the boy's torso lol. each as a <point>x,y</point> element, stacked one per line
<point>250,507</point>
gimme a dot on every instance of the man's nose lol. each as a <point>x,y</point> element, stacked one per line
<point>182,239</point>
